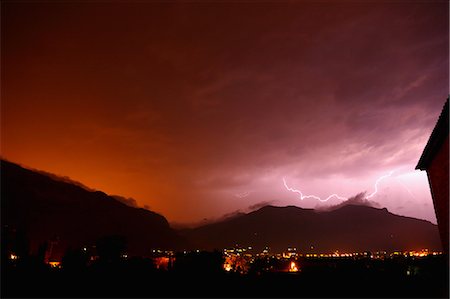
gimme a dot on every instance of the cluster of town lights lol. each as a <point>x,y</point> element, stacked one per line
<point>240,258</point>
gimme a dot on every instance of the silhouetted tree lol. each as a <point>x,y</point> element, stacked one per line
<point>40,257</point>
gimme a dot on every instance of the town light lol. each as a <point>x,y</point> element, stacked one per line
<point>293,267</point>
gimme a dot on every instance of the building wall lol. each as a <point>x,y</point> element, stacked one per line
<point>439,180</point>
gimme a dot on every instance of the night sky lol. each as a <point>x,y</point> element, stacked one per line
<point>198,109</point>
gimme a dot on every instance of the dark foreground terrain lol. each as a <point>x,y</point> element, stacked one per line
<point>203,276</point>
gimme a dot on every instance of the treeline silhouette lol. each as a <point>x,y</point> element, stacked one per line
<point>201,274</point>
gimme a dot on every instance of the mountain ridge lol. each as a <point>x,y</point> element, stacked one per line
<point>351,228</point>
<point>46,209</point>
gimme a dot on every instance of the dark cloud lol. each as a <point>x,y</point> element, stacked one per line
<point>230,215</point>
<point>260,205</point>
<point>61,178</point>
<point>240,212</point>
<point>128,201</point>
<point>357,200</point>
<point>226,216</point>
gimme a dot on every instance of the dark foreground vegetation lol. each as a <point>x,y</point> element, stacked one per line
<point>202,275</point>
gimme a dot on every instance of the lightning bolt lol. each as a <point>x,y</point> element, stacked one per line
<point>376,184</point>
<point>243,194</point>
<point>406,188</point>
<point>302,197</point>
<point>335,195</point>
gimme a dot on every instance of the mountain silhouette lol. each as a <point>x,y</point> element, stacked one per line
<point>347,229</point>
<point>49,209</point>
<point>46,208</point>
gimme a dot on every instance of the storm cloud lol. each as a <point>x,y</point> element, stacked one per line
<point>359,199</point>
<point>183,105</point>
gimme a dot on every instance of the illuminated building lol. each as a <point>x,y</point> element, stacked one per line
<point>54,264</point>
<point>292,252</point>
<point>52,251</point>
<point>227,267</point>
<point>161,262</point>
<point>234,261</point>
<point>163,259</point>
<point>434,161</point>
<point>293,267</point>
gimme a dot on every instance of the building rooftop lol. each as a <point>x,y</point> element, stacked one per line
<point>437,138</point>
